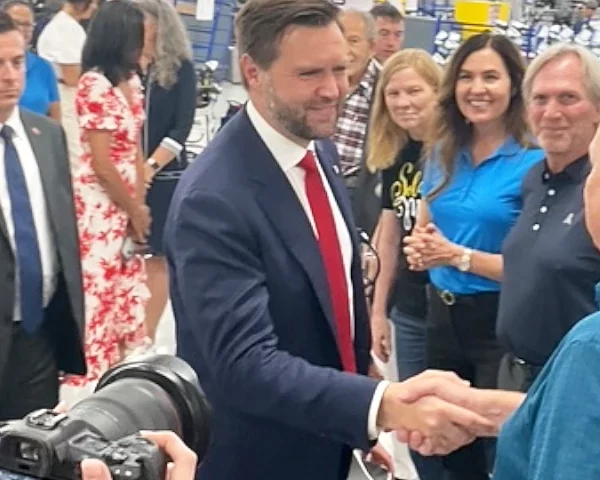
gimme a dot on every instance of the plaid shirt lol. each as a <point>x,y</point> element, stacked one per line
<point>350,137</point>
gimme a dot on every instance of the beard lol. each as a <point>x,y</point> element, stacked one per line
<point>293,118</point>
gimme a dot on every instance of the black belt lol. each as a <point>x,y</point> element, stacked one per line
<point>449,298</point>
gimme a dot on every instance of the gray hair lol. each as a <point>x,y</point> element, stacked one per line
<point>368,20</point>
<point>590,65</point>
<point>172,42</point>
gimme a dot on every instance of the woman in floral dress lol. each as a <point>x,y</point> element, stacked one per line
<point>109,189</point>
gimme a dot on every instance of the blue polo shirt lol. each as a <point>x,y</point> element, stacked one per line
<point>554,435</point>
<point>41,86</point>
<point>477,208</point>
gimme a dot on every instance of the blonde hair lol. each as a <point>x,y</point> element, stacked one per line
<point>386,138</point>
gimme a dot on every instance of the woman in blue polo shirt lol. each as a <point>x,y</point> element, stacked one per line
<point>471,198</point>
<point>41,87</point>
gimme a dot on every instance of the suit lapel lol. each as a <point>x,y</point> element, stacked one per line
<point>41,144</point>
<point>280,204</point>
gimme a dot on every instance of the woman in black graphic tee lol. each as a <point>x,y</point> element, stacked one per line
<point>405,102</point>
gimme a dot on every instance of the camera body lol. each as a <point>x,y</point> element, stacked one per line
<point>51,445</point>
<point>158,392</point>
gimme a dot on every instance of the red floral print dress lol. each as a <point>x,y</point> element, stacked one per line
<point>115,289</point>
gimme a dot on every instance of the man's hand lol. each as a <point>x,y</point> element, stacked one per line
<point>381,336</point>
<point>380,456</point>
<point>446,426</point>
<point>495,405</point>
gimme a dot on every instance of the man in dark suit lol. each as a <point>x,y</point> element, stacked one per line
<point>41,307</point>
<point>266,282</point>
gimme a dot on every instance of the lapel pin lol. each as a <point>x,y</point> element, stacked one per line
<point>336,169</point>
<point>35,131</point>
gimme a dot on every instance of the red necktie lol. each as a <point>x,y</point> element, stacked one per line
<point>331,254</point>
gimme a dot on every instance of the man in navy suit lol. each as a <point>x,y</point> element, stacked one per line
<point>266,282</point>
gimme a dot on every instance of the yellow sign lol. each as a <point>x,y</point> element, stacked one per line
<point>480,15</point>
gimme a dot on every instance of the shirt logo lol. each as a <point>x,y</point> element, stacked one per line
<point>568,219</point>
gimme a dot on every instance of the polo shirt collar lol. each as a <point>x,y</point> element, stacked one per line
<point>509,148</point>
<point>576,171</point>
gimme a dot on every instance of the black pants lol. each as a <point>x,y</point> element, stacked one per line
<point>30,379</point>
<point>462,338</point>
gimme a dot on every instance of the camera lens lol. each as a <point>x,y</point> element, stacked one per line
<point>158,392</point>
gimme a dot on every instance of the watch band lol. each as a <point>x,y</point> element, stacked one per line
<point>464,264</point>
<point>153,164</point>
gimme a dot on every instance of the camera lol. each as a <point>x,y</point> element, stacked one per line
<point>155,392</point>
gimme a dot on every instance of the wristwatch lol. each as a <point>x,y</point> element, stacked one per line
<point>464,263</point>
<point>153,164</point>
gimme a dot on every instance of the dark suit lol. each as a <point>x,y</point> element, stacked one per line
<point>28,362</point>
<point>254,319</point>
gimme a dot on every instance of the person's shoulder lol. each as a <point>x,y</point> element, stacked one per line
<point>42,65</point>
<point>221,165</point>
<point>186,66</point>
<point>587,331</point>
<point>40,123</point>
<point>94,79</point>
<point>531,155</point>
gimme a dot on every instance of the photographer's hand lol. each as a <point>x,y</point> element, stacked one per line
<point>182,467</point>
<point>94,469</point>
<point>184,460</point>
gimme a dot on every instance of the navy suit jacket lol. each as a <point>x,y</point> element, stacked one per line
<point>255,320</point>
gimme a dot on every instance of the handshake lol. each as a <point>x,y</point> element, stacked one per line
<point>437,412</point>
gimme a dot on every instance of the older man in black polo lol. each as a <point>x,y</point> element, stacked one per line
<point>551,266</point>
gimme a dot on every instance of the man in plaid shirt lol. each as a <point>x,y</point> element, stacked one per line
<point>363,71</point>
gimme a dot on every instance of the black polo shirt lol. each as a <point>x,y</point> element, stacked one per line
<point>551,266</point>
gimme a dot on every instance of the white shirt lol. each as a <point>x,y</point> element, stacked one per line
<point>41,217</point>
<point>61,42</point>
<point>289,155</point>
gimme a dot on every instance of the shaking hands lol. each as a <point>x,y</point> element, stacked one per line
<point>436,412</point>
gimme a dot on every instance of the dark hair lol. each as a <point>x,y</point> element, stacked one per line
<point>260,24</point>
<point>114,41</point>
<point>6,23</point>
<point>8,4</point>
<point>451,131</point>
<point>80,3</point>
<point>386,10</point>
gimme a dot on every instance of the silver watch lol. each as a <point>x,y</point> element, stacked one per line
<point>464,264</point>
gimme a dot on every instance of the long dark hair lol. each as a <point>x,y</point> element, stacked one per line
<point>114,41</point>
<point>451,131</point>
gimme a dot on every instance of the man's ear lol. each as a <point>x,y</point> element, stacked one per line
<point>250,70</point>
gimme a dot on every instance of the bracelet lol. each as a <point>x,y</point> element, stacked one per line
<point>153,164</point>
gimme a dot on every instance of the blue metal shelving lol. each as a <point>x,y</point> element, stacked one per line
<point>211,40</point>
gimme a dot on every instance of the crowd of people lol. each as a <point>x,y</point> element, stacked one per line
<point>123,88</point>
<point>475,185</point>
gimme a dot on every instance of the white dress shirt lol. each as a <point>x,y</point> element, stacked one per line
<point>289,155</point>
<point>37,198</point>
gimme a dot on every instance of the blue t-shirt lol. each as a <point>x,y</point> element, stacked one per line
<point>41,86</point>
<point>477,208</point>
<point>555,434</point>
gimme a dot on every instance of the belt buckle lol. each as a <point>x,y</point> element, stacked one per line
<point>448,298</point>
